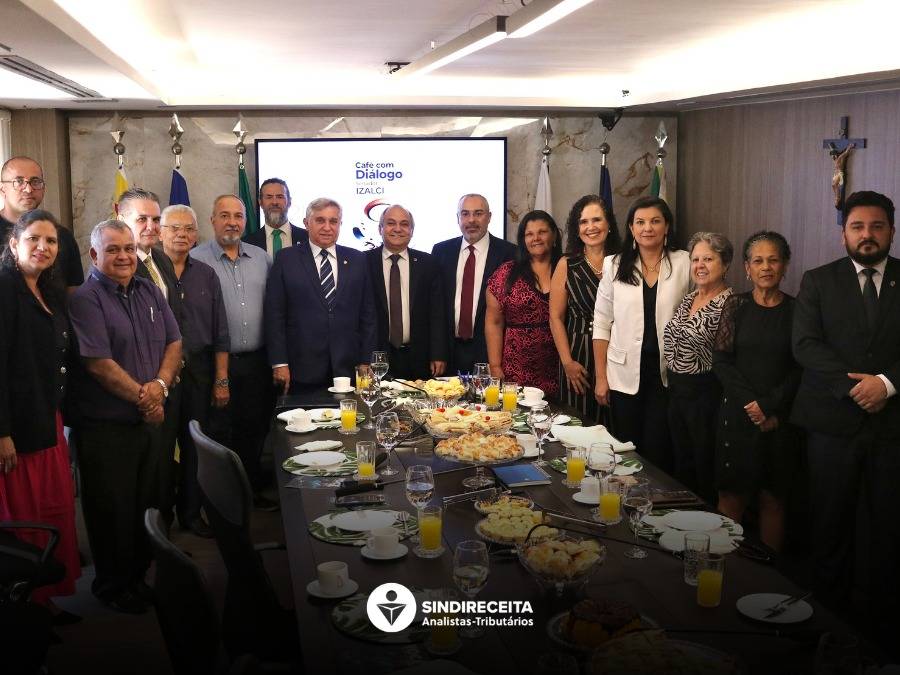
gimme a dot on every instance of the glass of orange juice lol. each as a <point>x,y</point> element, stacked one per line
<point>510,396</point>
<point>612,491</point>
<point>710,575</point>
<point>492,394</point>
<point>430,542</point>
<point>365,461</point>
<point>348,416</point>
<point>576,461</point>
<point>363,377</point>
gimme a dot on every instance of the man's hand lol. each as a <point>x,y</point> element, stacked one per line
<point>576,374</point>
<point>8,458</point>
<point>220,396</point>
<point>151,396</point>
<point>769,424</point>
<point>281,377</point>
<point>869,392</point>
<point>438,368</point>
<point>154,416</point>
<point>755,413</point>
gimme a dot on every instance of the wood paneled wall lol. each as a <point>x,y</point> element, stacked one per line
<point>43,135</point>
<point>750,167</point>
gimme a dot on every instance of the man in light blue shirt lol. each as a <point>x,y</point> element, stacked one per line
<point>242,270</point>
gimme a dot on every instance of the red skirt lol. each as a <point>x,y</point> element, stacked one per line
<point>40,489</point>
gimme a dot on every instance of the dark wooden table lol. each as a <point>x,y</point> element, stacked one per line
<point>653,585</point>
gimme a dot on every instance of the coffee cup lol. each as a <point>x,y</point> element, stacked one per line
<point>301,418</point>
<point>532,395</point>
<point>590,487</point>
<point>383,540</point>
<point>333,576</point>
<point>341,383</point>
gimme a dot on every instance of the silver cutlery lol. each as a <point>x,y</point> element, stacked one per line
<point>781,607</point>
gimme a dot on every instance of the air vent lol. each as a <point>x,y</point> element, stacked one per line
<point>32,70</point>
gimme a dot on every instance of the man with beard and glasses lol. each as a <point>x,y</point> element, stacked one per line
<point>242,269</point>
<point>846,336</point>
<point>278,233</point>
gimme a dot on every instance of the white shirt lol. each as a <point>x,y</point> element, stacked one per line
<point>481,251</point>
<point>285,237</point>
<point>403,265</point>
<point>143,257</point>
<point>332,258</point>
<point>876,279</point>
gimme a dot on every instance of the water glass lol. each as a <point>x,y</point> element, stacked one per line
<point>695,543</point>
<point>430,522</point>
<point>379,365</point>
<point>365,460</point>
<point>387,431</point>
<point>637,504</point>
<point>481,376</point>
<point>602,459</point>
<point>370,393</point>
<point>471,567</point>
<point>539,420</point>
<point>419,485</point>
<point>710,576</point>
<point>348,416</point>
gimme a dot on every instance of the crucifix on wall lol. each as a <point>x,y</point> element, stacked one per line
<point>840,149</point>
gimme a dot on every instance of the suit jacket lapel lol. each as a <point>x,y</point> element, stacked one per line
<point>849,281</point>
<point>887,296</point>
<point>413,264</point>
<point>342,277</point>
<point>311,270</point>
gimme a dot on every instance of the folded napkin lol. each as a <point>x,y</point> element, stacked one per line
<point>584,436</point>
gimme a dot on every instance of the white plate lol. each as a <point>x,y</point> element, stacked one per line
<point>719,541</point>
<point>316,415</point>
<point>728,525</point>
<point>528,442</point>
<point>399,552</point>
<point>364,520</point>
<point>320,458</point>
<point>693,521</point>
<point>581,499</point>
<point>313,588</point>
<point>757,605</point>
<point>301,430</point>
<point>334,390</point>
<point>313,446</point>
<point>522,403</point>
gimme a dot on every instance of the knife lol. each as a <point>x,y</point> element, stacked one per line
<point>781,607</point>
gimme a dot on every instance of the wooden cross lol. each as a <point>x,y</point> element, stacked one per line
<point>840,149</point>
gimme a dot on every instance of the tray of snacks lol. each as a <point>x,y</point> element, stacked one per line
<point>511,524</point>
<point>594,622</point>
<point>479,448</point>
<point>561,562</point>
<point>501,502</point>
<point>444,422</point>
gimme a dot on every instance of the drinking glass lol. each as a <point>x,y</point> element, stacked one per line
<point>365,460</point>
<point>364,375</point>
<point>539,421</point>
<point>602,460</point>
<point>419,489</point>
<point>637,504</point>
<point>348,417</point>
<point>471,567</point>
<point>479,480</point>
<point>575,461</point>
<point>710,575</point>
<point>510,396</point>
<point>430,521</point>
<point>695,543</point>
<point>492,394</point>
<point>370,393</point>
<point>379,365</point>
<point>387,429</point>
<point>609,512</point>
<point>481,377</point>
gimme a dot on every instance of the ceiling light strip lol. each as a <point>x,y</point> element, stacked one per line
<point>539,14</point>
<point>483,35</point>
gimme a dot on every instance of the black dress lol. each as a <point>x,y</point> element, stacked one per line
<point>754,362</point>
<point>581,287</point>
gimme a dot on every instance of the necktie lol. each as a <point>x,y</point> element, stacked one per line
<point>276,241</point>
<point>870,298</point>
<point>395,303</point>
<point>466,296</point>
<point>326,278</point>
<point>154,275</point>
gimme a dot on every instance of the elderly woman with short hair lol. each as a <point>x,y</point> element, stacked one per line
<point>688,339</point>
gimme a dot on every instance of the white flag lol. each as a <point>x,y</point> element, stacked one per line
<point>542,198</point>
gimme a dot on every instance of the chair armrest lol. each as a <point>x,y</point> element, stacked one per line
<point>29,525</point>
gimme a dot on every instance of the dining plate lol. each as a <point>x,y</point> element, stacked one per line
<point>693,521</point>
<point>314,589</point>
<point>319,458</point>
<point>582,499</point>
<point>720,541</point>
<point>312,446</point>
<point>349,616</point>
<point>301,430</point>
<point>555,631</point>
<point>364,520</point>
<point>398,552</point>
<point>318,415</point>
<point>757,606</point>
<point>335,390</point>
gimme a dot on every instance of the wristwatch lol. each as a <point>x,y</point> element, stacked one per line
<point>222,383</point>
<point>162,383</point>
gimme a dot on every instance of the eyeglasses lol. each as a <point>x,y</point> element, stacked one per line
<point>19,183</point>
<point>187,229</point>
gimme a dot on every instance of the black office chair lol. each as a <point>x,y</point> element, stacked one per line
<point>253,621</point>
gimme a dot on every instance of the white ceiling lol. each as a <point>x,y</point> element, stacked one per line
<point>330,54</point>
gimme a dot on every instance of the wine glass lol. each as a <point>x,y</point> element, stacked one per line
<point>387,429</point>
<point>539,421</point>
<point>370,394</point>
<point>471,567</point>
<point>419,489</point>
<point>602,460</point>
<point>380,365</point>
<point>481,377</point>
<point>637,504</point>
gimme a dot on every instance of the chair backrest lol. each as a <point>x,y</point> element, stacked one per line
<point>184,606</point>
<point>222,478</point>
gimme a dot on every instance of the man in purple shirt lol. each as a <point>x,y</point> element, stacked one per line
<point>130,348</point>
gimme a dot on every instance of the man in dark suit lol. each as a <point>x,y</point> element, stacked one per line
<point>277,233</point>
<point>846,336</point>
<point>467,262</point>
<point>412,326</point>
<point>319,313</point>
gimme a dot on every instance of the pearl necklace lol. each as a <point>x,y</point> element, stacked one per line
<point>599,272</point>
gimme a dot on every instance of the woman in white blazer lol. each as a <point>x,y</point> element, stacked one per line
<point>638,294</point>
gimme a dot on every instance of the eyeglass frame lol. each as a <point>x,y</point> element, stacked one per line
<point>19,183</point>
<point>187,229</point>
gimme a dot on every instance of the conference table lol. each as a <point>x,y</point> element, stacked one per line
<point>653,585</point>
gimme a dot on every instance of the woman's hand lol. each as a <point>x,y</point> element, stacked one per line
<point>496,371</point>
<point>576,374</point>
<point>8,458</point>
<point>601,390</point>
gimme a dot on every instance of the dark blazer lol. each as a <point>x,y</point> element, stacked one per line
<point>428,322</point>
<point>170,279</point>
<point>447,255</point>
<point>300,331</point>
<point>33,364</point>
<point>299,235</point>
<point>831,338</point>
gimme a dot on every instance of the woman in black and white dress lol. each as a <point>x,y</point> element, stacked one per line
<point>688,339</point>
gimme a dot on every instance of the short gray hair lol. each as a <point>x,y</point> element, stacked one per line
<point>717,242</point>
<point>409,215</point>
<point>323,203</point>
<point>112,224</point>
<point>175,209</point>
<point>472,194</point>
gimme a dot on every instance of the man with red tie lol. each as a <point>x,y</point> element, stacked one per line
<point>467,262</point>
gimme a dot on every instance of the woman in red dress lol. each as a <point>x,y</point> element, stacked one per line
<point>517,324</point>
<point>35,481</point>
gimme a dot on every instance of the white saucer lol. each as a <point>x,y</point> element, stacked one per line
<point>301,430</point>
<point>757,605</point>
<point>581,499</point>
<point>399,552</point>
<point>313,589</point>
<point>522,403</point>
<point>333,390</point>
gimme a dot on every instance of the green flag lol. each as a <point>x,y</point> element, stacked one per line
<point>247,198</point>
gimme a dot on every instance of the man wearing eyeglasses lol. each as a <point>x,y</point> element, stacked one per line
<point>22,186</point>
<point>204,378</point>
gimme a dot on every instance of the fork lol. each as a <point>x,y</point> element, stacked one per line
<point>781,607</point>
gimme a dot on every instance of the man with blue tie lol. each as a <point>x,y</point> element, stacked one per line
<point>319,311</point>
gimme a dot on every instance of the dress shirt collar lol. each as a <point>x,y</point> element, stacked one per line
<point>386,253</point>
<point>880,267</point>
<point>243,251</point>
<point>108,283</point>
<point>481,246</point>
<point>143,256</point>
<point>316,251</point>
<point>285,229</point>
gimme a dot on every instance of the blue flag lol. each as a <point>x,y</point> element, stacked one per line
<point>178,193</point>
<point>606,187</point>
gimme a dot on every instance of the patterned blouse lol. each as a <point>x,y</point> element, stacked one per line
<point>688,340</point>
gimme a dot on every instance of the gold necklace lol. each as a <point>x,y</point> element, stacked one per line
<point>655,267</point>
